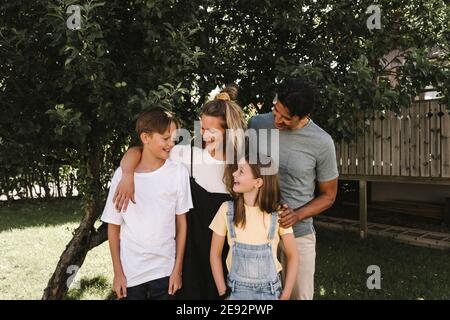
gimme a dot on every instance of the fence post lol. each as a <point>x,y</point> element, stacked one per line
<point>447,212</point>
<point>363,209</point>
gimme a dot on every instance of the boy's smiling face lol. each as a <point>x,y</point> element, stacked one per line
<point>159,144</point>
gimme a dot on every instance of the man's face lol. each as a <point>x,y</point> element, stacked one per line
<point>282,118</point>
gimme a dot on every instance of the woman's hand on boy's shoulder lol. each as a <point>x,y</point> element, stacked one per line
<point>124,193</point>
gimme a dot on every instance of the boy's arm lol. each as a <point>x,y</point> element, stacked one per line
<point>175,281</point>
<point>120,282</point>
<point>215,257</point>
<point>291,252</point>
<point>125,189</point>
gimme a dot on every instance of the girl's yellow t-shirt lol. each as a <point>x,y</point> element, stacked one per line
<point>256,230</point>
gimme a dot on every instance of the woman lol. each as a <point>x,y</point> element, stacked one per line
<point>208,187</point>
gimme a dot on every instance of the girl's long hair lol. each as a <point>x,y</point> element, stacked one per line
<point>269,195</point>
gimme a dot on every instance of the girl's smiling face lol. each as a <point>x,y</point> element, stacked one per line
<point>244,180</point>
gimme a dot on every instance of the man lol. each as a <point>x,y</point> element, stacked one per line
<point>306,155</point>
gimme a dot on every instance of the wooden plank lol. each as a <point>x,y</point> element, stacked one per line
<point>445,142</point>
<point>386,143</point>
<point>424,139</point>
<point>421,180</point>
<point>344,155</point>
<point>435,139</point>
<point>399,234</point>
<point>395,144</point>
<point>363,209</point>
<point>352,156</point>
<point>415,141</point>
<point>361,153</point>
<point>377,144</point>
<point>338,156</point>
<point>405,142</point>
<point>368,146</point>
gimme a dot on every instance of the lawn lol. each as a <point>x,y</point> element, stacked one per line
<point>33,235</point>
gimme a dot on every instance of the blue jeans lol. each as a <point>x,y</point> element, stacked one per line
<point>152,290</point>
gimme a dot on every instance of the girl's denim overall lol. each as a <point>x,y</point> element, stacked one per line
<point>253,275</point>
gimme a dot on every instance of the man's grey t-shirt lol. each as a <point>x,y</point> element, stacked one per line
<point>305,155</point>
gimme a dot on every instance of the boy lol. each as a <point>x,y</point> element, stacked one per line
<point>147,241</point>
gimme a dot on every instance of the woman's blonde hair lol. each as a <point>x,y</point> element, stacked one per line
<point>225,107</point>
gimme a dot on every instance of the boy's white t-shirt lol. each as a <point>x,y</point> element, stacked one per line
<point>147,233</point>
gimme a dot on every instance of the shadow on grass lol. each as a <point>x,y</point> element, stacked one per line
<point>97,286</point>
<point>39,213</point>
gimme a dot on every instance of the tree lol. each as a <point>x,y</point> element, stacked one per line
<point>87,85</point>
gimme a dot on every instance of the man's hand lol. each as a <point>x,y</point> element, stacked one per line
<point>287,216</point>
<point>175,281</point>
<point>120,285</point>
<point>124,193</point>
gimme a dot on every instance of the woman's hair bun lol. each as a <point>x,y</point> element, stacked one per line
<point>229,93</point>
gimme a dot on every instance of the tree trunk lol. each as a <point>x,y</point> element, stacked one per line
<point>58,183</point>
<point>85,237</point>
<point>71,184</point>
<point>29,186</point>
<point>44,183</point>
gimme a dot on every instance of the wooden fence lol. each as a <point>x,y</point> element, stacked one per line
<point>414,144</point>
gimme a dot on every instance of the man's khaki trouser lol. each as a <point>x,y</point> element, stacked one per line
<point>304,283</point>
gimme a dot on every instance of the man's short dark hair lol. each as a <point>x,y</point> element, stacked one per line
<point>297,95</point>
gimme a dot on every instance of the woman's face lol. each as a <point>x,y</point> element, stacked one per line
<point>213,132</point>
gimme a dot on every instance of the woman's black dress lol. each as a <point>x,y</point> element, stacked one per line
<point>198,282</point>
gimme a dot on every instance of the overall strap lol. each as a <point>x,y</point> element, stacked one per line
<point>273,224</point>
<point>230,216</point>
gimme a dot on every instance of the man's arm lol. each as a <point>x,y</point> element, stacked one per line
<point>175,281</point>
<point>125,189</point>
<point>120,282</point>
<point>326,198</point>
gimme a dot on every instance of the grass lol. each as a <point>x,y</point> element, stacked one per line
<point>407,272</point>
<point>33,235</point>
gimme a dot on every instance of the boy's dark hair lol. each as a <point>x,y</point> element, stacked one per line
<point>156,119</point>
<point>297,95</point>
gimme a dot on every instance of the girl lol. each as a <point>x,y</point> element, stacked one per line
<point>251,226</point>
<point>207,170</point>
